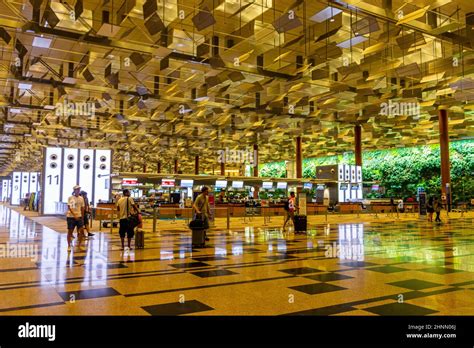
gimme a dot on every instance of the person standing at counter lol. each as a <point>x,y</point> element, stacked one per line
<point>201,208</point>
<point>221,198</point>
<point>430,209</point>
<point>290,207</point>
<point>437,205</point>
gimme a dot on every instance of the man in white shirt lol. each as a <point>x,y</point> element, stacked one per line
<point>75,216</point>
<point>125,206</point>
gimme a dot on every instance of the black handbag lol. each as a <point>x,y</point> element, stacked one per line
<point>132,219</point>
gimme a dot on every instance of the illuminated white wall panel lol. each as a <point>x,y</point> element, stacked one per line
<point>25,184</point>
<point>69,174</point>
<point>65,168</point>
<point>34,187</point>
<point>52,179</point>
<point>4,189</point>
<point>86,171</point>
<point>102,167</point>
<point>16,188</point>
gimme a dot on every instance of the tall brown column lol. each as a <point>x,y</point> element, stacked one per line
<point>222,168</point>
<point>196,165</point>
<point>176,166</point>
<point>299,158</point>
<point>255,170</point>
<point>255,159</point>
<point>444,150</point>
<point>144,168</point>
<point>158,167</point>
<point>358,144</point>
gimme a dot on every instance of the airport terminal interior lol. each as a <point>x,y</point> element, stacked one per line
<point>328,144</point>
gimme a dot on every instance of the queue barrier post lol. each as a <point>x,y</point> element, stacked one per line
<point>111,221</point>
<point>154,219</point>
<point>228,219</point>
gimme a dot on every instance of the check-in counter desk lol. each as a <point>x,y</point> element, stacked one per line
<point>315,208</point>
<point>104,211</point>
<point>386,207</point>
<point>348,208</point>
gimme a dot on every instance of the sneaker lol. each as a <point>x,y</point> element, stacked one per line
<point>91,235</point>
<point>206,239</point>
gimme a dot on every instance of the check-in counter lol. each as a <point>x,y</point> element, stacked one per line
<point>349,207</point>
<point>104,211</point>
<point>315,208</point>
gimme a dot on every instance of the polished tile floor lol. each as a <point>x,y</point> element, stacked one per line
<point>379,267</point>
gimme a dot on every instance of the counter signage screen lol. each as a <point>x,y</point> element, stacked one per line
<point>129,181</point>
<point>237,184</point>
<point>320,187</point>
<point>187,183</point>
<point>375,187</point>
<point>167,183</point>
<point>308,185</point>
<point>282,185</point>
<point>343,187</point>
<point>354,187</point>
<point>267,185</point>
<point>221,183</point>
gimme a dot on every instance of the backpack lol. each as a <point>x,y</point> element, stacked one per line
<point>287,205</point>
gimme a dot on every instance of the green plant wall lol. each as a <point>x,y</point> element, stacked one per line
<point>401,170</point>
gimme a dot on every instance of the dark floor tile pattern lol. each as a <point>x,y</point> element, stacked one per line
<point>415,284</point>
<point>300,270</point>
<point>328,277</point>
<point>177,308</point>
<point>400,309</point>
<point>319,288</point>
<point>88,294</point>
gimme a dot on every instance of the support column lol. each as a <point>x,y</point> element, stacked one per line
<point>299,158</point>
<point>255,169</point>
<point>358,144</point>
<point>158,167</point>
<point>444,151</point>
<point>196,165</point>
<point>255,159</point>
<point>176,166</point>
<point>222,168</point>
<point>144,168</point>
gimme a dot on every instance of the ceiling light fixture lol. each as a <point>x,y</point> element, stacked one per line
<point>22,85</point>
<point>41,42</point>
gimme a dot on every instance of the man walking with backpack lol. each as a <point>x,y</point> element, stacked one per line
<point>125,208</point>
<point>290,207</point>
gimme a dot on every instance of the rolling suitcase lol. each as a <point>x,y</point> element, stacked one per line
<point>198,237</point>
<point>139,239</point>
<point>301,223</point>
<point>198,227</point>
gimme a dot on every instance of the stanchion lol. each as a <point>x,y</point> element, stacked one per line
<point>154,219</point>
<point>111,221</point>
<point>228,219</point>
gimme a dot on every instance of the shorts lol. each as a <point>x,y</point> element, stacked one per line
<point>125,229</point>
<point>73,223</point>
